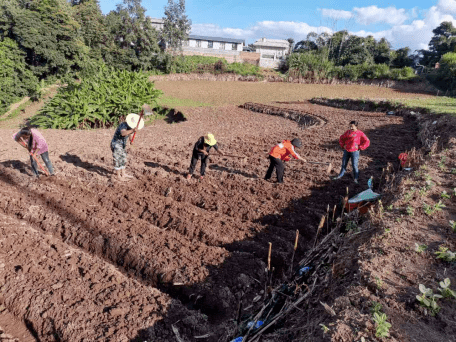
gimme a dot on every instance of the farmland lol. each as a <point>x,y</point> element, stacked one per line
<point>85,259</point>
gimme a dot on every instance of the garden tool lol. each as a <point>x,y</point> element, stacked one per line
<point>34,157</point>
<point>137,125</point>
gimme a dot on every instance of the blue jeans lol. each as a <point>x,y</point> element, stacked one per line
<point>47,161</point>
<point>354,157</point>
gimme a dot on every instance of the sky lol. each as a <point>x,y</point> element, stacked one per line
<point>402,22</point>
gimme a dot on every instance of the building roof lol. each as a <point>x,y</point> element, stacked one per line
<point>156,20</point>
<point>272,43</point>
<point>217,39</point>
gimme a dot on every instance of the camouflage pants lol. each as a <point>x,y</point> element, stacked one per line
<point>119,156</point>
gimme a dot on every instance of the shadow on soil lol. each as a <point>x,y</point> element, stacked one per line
<point>164,167</point>
<point>77,161</point>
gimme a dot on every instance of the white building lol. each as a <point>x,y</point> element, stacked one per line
<point>213,44</point>
<point>272,51</point>
<point>157,23</point>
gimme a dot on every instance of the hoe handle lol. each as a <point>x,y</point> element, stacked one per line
<point>137,125</point>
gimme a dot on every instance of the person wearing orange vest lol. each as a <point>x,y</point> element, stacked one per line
<point>281,153</point>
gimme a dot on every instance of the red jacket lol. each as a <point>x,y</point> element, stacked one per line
<point>354,141</point>
<point>283,151</point>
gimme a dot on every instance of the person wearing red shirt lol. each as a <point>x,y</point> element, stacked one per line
<point>352,141</point>
<point>281,153</point>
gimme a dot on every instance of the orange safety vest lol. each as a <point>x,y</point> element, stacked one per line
<point>283,151</point>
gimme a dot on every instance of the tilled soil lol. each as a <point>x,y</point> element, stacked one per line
<point>87,259</point>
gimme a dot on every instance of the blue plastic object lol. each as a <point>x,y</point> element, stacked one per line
<point>237,339</point>
<point>304,270</point>
<point>257,325</point>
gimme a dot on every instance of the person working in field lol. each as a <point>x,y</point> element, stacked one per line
<point>35,143</point>
<point>119,144</point>
<point>201,151</point>
<point>281,153</point>
<point>352,141</point>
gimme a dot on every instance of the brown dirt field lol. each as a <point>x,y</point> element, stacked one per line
<point>237,93</point>
<point>160,252</point>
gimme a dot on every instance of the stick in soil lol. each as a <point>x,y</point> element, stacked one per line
<point>327,219</point>
<point>334,212</point>
<point>320,226</point>
<point>294,251</point>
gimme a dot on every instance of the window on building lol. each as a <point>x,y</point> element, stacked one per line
<point>210,44</point>
<point>198,43</point>
<point>234,47</point>
<point>222,46</point>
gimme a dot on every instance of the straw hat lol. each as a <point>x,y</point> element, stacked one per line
<point>209,139</point>
<point>132,121</point>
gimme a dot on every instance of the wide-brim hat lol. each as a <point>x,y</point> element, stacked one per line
<point>209,139</point>
<point>132,121</point>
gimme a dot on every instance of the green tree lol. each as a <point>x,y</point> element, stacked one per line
<point>46,31</point>
<point>402,58</point>
<point>382,53</point>
<point>354,51</point>
<point>443,41</point>
<point>16,80</point>
<point>176,25</point>
<point>135,41</point>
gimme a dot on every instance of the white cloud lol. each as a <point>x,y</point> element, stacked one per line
<point>447,6</point>
<point>335,14</point>
<point>415,34</point>
<point>269,29</point>
<point>373,14</point>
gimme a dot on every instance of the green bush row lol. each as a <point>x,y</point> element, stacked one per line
<point>101,100</point>
<point>316,66</point>
<point>170,64</point>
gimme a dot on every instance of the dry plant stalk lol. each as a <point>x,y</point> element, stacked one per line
<point>269,257</point>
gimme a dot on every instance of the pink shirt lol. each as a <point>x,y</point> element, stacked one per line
<point>38,143</point>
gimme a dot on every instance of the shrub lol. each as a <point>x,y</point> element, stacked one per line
<point>102,100</point>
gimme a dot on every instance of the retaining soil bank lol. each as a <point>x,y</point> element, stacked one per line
<point>200,246</point>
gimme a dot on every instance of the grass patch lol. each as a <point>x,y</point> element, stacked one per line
<point>437,105</point>
<point>16,112</point>
<point>175,102</point>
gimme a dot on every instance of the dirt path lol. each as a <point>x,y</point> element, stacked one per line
<point>184,249</point>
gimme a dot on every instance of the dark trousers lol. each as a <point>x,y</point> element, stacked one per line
<point>278,165</point>
<point>354,156</point>
<point>194,161</point>
<point>47,161</point>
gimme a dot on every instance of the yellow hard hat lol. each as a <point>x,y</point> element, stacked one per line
<point>209,139</point>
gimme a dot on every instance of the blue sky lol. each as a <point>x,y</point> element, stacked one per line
<point>403,22</point>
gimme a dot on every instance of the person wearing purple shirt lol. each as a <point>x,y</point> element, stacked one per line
<point>36,145</point>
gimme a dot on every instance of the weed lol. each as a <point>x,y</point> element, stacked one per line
<point>428,300</point>
<point>410,211</point>
<point>324,328</point>
<point>398,219</point>
<point>423,167</point>
<point>408,196</point>
<point>442,163</point>
<point>378,282</point>
<point>351,226</point>
<point>383,326</point>
<point>445,254</point>
<point>445,195</point>
<point>420,248</point>
<point>417,173</point>
<point>430,210</point>
<point>427,177</point>
<point>453,170</point>
<point>376,307</point>
<point>390,207</point>
<point>452,226</point>
<point>445,289</point>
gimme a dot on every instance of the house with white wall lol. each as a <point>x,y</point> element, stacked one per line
<point>272,51</point>
<point>228,48</point>
<point>157,23</point>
